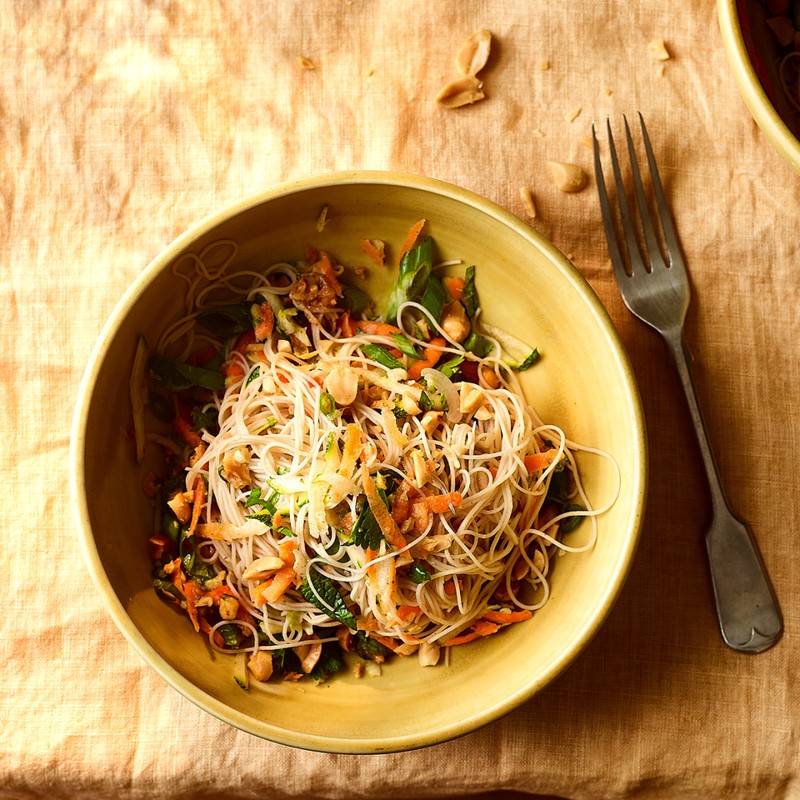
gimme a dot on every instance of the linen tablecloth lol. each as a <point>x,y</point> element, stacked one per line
<point>123,122</point>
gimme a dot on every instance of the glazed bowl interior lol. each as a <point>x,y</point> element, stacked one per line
<point>583,383</point>
<point>754,57</point>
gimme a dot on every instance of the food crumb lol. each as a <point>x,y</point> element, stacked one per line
<point>537,133</point>
<point>527,197</point>
<point>658,50</point>
<point>306,63</point>
<point>586,141</point>
<point>607,91</point>
<point>544,66</point>
<point>358,669</point>
<point>573,114</point>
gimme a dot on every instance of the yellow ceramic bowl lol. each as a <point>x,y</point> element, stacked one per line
<point>584,383</point>
<point>753,56</point>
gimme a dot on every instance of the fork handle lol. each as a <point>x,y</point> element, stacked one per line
<point>748,612</point>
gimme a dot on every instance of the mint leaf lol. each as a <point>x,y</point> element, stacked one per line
<point>319,590</point>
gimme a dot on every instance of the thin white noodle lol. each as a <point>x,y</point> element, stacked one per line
<point>272,416</point>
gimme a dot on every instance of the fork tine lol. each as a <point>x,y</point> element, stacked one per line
<point>653,248</point>
<point>667,224</point>
<point>606,213</point>
<point>634,253</point>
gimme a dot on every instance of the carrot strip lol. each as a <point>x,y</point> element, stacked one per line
<point>507,617</point>
<point>389,528</point>
<point>191,591</point>
<point>326,267</point>
<point>441,503</point>
<point>538,461</point>
<point>350,450</point>
<point>375,249</point>
<point>454,286</point>
<point>405,612</point>
<point>429,359</point>
<point>464,638</point>
<point>411,238</point>
<point>273,589</point>
<point>374,328</point>
<point>346,325</point>
<point>197,504</point>
<point>286,551</point>
<point>484,627</point>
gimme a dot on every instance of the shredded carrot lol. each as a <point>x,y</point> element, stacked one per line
<point>484,627</point>
<point>401,503</point>
<point>205,627</point>
<point>286,551</point>
<point>507,617</point>
<point>387,641</point>
<point>191,591</point>
<point>450,587</point>
<point>197,504</point>
<point>350,450</point>
<point>454,286</point>
<point>405,612</point>
<point>244,341</point>
<point>326,267</point>
<point>273,589</point>
<point>266,322</point>
<point>389,528</point>
<point>441,503</point>
<point>346,325</point>
<point>375,249</point>
<point>373,328</point>
<point>312,254</point>
<point>429,359</point>
<point>411,238</point>
<point>464,638</point>
<point>370,554</point>
<point>184,428</point>
<point>538,461</point>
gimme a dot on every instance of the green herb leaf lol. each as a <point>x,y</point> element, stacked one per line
<point>419,573</point>
<point>177,375</point>
<point>253,375</point>
<point>368,648</point>
<point>231,635</point>
<point>405,345</point>
<point>330,661</point>
<point>381,355</point>
<point>477,344</point>
<point>319,590</point>
<point>227,321</point>
<point>469,294</point>
<point>528,362</point>
<point>415,269</point>
<point>356,299</point>
<point>450,367</point>
<point>568,525</point>
<point>434,297</point>
<point>366,532</point>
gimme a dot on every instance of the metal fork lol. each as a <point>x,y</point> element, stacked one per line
<point>657,292</point>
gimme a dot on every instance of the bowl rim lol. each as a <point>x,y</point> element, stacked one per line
<point>750,87</point>
<point>114,606</point>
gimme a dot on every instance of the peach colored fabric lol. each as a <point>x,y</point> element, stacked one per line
<point>121,123</point>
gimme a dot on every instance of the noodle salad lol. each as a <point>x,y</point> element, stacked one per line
<point>341,482</point>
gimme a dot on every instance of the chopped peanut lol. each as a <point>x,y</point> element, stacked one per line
<point>180,503</point>
<point>342,384</point>
<point>228,606</point>
<point>236,467</point>
<point>428,654</point>
<point>455,322</point>
<point>568,177</point>
<point>262,567</point>
<point>260,665</point>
